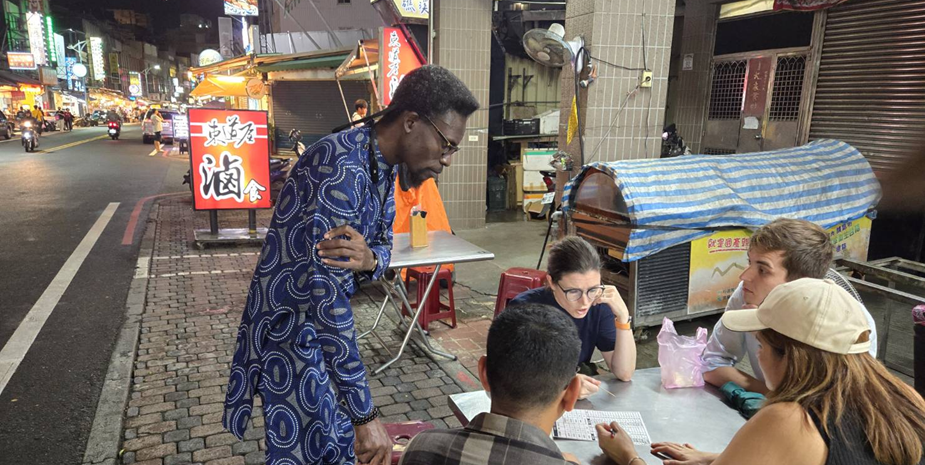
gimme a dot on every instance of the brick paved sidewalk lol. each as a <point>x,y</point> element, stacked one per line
<point>192,311</point>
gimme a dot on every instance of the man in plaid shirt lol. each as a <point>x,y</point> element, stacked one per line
<point>529,372</point>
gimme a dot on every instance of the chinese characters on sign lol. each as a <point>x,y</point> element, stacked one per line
<point>230,157</point>
<point>96,54</point>
<point>20,60</point>
<point>232,132</point>
<point>36,25</point>
<point>717,261</point>
<point>805,5</point>
<point>397,59</point>
<point>756,90</point>
<point>419,9</point>
<point>134,81</point>
<point>241,8</point>
<point>394,63</point>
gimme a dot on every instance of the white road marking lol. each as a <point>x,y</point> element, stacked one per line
<point>16,347</point>
<point>142,268</point>
<point>177,257</point>
<point>198,273</point>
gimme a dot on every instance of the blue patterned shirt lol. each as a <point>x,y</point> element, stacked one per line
<point>295,302</point>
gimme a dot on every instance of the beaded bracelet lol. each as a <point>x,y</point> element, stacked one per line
<point>362,421</point>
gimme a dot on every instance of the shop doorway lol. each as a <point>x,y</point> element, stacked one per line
<point>758,91</point>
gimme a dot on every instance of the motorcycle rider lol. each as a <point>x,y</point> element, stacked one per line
<point>39,117</point>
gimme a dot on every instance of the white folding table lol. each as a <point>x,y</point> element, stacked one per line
<point>443,248</point>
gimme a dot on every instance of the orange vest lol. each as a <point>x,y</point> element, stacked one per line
<point>427,197</point>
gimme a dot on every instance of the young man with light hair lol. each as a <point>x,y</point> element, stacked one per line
<point>779,252</point>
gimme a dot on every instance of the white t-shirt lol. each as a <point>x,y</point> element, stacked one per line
<point>726,347</point>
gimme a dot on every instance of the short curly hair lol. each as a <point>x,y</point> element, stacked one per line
<point>806,247</point>
<point>431,91</point>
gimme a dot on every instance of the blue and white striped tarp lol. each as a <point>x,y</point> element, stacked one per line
<point>677,200</point>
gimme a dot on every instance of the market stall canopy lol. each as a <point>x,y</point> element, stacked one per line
<point>363,59</point>
<point>329,59</point>
<point>667,202</point>
<point>14,79</point>
<point>218,85</point>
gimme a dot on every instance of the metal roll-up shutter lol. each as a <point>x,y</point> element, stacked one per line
<point>313,107</point>
<point>871,86</point>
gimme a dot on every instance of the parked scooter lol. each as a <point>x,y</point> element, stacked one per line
<point>295,136</point>
<point>672,143</point>
<point>30,137</point>
<point>115,129</point>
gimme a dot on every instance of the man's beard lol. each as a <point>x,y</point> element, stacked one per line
<point>409,179</point>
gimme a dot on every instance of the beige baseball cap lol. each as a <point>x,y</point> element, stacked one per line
<point>815,312</point>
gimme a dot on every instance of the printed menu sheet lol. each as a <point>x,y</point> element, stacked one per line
<point>579,424</point>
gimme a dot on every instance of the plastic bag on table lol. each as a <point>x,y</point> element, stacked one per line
<point>679,356</point>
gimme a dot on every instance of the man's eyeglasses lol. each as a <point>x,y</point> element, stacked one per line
<point>449,148</point>
<point>574,295</point>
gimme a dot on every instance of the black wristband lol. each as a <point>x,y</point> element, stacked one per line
<point>362,421</point>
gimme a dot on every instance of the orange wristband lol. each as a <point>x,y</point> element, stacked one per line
<point>619,325</point>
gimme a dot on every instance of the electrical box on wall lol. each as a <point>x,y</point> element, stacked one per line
<point>646,79</point>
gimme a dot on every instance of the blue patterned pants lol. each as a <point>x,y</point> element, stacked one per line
<point>304,423</point>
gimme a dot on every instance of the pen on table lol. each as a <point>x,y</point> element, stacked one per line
<point>608,392</point>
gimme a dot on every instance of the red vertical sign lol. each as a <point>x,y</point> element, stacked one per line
<point>756,87</point>
<point>396,59</point>
<point>229,159</point>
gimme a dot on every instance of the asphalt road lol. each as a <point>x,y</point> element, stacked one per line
<point>51,199</point>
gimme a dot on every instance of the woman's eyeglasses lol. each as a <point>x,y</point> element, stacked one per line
<point>574,295</point>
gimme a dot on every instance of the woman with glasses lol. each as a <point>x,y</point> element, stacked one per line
<point>573,285</point>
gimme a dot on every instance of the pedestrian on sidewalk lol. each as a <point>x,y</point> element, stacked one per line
<point>68,120</point>
<point>158,121</point>
<point>296,345</point>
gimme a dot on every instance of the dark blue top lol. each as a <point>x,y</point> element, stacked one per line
<point>596,329</point>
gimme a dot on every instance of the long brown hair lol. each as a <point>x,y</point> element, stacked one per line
<point>829,385</point>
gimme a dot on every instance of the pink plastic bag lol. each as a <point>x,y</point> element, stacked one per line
<point>679,357</point>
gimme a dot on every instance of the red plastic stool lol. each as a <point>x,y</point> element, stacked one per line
<point>514,281</point>
<point>402,433</point>
<point>434,308</point>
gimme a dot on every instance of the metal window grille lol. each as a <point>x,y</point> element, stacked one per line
<point>709,151</point>
<point>727,89</point>
<point>788,88</point>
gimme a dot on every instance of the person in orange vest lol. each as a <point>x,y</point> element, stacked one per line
<point>427,198</point>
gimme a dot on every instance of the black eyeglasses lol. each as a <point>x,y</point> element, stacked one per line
<point>574,295</point>
<point>449,148</point>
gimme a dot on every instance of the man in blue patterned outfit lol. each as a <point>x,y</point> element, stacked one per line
<point>331,228</point>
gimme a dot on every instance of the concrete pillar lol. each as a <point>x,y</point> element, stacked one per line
<point>463,45</point>
<point>613,32</point>
<point>699,37</point>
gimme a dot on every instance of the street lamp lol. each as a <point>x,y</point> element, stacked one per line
<point>147,83</point>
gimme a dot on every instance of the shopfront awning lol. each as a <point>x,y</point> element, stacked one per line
<point>330,61</point>
<point>363,59</point>
<point>218,85</point>
<point>14,79</point>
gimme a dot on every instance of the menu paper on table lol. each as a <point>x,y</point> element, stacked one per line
<point>579,424</point>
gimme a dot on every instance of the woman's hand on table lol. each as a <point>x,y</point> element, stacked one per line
<point>589,386</point>
<point>616,444</point>
<point>683,454</point>
<point>612,298</point>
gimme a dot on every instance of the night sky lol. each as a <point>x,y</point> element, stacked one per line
<point>164,13</point>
